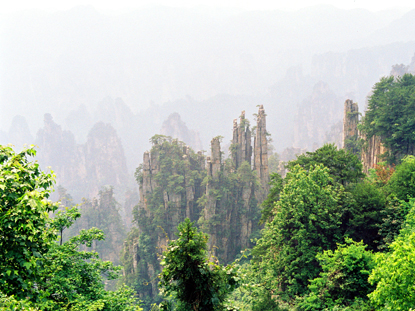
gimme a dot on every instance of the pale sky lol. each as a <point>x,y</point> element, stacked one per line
<point>121,5</point>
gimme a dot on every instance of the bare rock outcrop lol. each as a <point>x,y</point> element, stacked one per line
<point>373,147</point>
<point>350,122</point>
<point>261,155</point>
<point>83,169</point>
<point>241,147</point>
<point>315,116</point>
<point>176,128</point>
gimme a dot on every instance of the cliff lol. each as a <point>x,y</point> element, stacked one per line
<point>19,133</point>
<point>241,148</point>
<point>102,212</point>
<point>222,195</point>
<point>261,155</point>
<point>350,122</point>
<point>176,128</point>
<point>372,147</point>
<point>82,169</point>
<point>315,116</point>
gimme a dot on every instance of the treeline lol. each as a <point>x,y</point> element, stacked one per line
<point>38,270</point>
<point>332,237</point>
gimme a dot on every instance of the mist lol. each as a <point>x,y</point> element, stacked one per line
<point>133,70</point>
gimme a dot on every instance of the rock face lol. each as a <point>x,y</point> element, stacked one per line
<point>371,153</point>
<point>335,135</point>
<point>241,148</point>
<point>19,132</point>
<point>315,116</point>
<point>350,121</point>
<point>221,195</point>
<point>238,206</point>
<point>82,169</point>
<point>261,155</point>
<point>102,212</point>
<point>170,183</point>
<point>399,70</point>
<point>373,147</point>
<point>176,128</point>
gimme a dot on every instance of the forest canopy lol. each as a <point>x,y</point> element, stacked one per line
<point>391,116</point>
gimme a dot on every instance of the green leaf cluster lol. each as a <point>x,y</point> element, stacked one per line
<point>38,270</point>
<point>343,280</point>
<point>306,221</point>
<point>194,282</point>
<point>25,231</point>
<point>391,116</point>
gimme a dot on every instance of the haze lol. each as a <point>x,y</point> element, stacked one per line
<point>133,64</point>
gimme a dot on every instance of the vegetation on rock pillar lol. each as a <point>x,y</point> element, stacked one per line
<point>170,184</point>
<point>194,282</point>
<point>390,116</point>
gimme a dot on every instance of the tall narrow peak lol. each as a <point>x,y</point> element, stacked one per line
<point>241,148</point>
<point>215,160</point>
<point>261,154</point>
<point>350,121</point>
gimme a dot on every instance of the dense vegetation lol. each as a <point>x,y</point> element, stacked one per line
<point>179,187</point>
<point>391,116</point>
<point>332,237</point>
<point>38,271</point>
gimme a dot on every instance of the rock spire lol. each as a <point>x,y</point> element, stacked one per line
<point>261,154</point>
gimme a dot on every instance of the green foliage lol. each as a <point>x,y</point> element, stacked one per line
<point>101,213</point>
<point>391,116</point>
<point>163,209</point>
<point>25,233</point>
<point>226,191</point>
<point>193,281</point>
<point>344,278</point>
<point>64,219</point>
<point>36,272</point>
<point>276,185</point>
<point>251,295</point>
<point>10,303</point>
<point>73,279</point>
<point>365,214</point>
<point>306,221</point>
<point>354,145</point>
<point>394,274</point>
<point>344,166</point>
<point>402,182</point>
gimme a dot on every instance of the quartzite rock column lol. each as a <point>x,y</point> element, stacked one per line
<point>350,121</point>
<point>241,141</point>
<point>261,155</point>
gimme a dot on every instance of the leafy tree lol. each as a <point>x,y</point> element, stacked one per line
<point>102,213</point>
<point>402,182</point>
<point>36,272</point>
<point>306,221</point>
<point>25,233</point>
<point>344,166</point>
<point>195,282</point>
<point>391,116</point>
<point>10,303</point>
<point>252,295</point>
<point>394,272</point>
<point>73,279</point>
<point>344,279</point>
<point>365,213</point>
<point>276,185</point>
